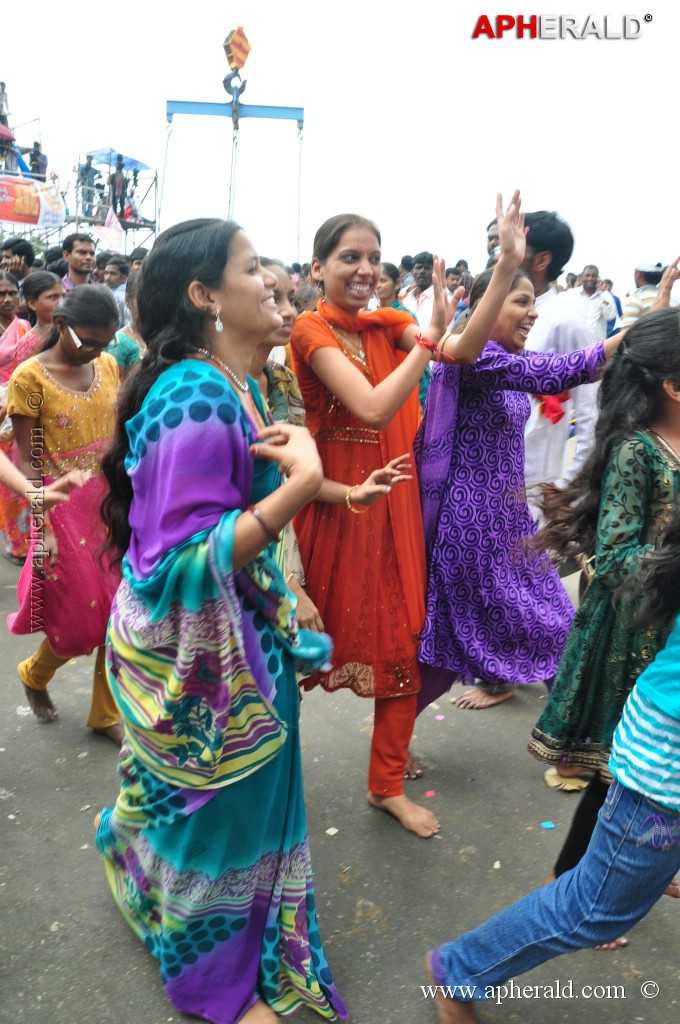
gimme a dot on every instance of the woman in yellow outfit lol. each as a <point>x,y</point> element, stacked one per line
<point>62,404</point>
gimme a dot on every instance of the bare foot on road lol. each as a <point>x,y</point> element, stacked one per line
<point>474,698</point>
<point>619,943</point>
<point>40,704</point>
<point>114,732</point>
<point>260,1013</point>
<point>450,1011</point>
<point>411,816</point>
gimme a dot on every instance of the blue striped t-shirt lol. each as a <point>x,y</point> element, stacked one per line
<point>645,753</point>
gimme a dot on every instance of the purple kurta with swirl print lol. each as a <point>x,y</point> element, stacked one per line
<point>495,611</point>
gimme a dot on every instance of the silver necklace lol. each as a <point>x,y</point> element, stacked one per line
<point>240,384</point>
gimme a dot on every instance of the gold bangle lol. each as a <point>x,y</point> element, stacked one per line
<point>441,356</point>
<point>350,506</point>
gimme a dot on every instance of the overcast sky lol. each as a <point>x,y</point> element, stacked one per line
<point>408,119</point>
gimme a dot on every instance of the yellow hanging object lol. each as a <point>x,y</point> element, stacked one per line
<point>237,48</point>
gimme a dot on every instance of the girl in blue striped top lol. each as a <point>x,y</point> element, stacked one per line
<point>634,852</point>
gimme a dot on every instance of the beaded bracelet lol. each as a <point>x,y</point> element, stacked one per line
<point>275,537</point>
<point>422,341</point>
<point>350,506</point>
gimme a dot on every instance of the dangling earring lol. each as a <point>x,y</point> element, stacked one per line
<point>219,326</point>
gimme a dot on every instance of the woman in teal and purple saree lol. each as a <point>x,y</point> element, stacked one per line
<point>206,848</point>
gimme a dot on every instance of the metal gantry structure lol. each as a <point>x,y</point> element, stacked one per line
<point>237,48</point>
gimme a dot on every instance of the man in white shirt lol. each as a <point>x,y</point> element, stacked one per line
<point>420,299</point>
<point>595,305</point>
<point>561,328</point>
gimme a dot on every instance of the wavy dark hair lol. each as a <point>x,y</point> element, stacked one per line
<point>631,398</point>
<point>88,305</point>
<point>656,583</point>
<point>169,322</point>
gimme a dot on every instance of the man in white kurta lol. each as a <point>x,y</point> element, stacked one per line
<point>563,330</point>
<point>561,327</point>
<point>595,305</point>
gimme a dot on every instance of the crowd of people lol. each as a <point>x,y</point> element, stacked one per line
<point>233,479</point>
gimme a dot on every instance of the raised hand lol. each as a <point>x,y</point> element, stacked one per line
<point>670,275</point>
<point>512,236</point>
<point>443,310</point>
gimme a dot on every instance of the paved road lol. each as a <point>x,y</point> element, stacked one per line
<point>384,897</point>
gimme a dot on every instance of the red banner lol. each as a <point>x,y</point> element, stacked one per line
<point>25,201</point>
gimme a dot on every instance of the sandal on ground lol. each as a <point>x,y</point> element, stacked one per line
<point>554,780</point>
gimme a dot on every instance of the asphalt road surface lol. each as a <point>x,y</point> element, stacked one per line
<point>384,897</point>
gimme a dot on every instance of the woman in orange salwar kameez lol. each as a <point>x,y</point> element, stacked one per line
<point>359,375</point>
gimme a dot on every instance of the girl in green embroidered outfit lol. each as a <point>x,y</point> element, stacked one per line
<point>611,514</point>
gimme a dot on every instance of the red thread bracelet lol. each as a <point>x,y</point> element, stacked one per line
<point>422,341</point>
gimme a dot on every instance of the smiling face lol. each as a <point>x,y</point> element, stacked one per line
<point>492,239</point>
<point>589,280</point>
<point>246,295</point>
<point>516,318</point>
<point>351,273</point>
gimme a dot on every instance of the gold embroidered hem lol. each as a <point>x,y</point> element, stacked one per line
<point>401,679</point>
<point>354,435</point>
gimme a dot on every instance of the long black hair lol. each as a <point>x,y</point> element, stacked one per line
<point>169,322</point>
<point>656,583</point>
<point>631,397</point>
<point>88,305</point>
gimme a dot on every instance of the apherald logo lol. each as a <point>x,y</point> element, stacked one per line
<point>560,26</point>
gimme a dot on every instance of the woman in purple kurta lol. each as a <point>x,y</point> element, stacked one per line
<point>496,610</point>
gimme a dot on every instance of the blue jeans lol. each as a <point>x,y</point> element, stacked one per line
<point>633,855</point>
